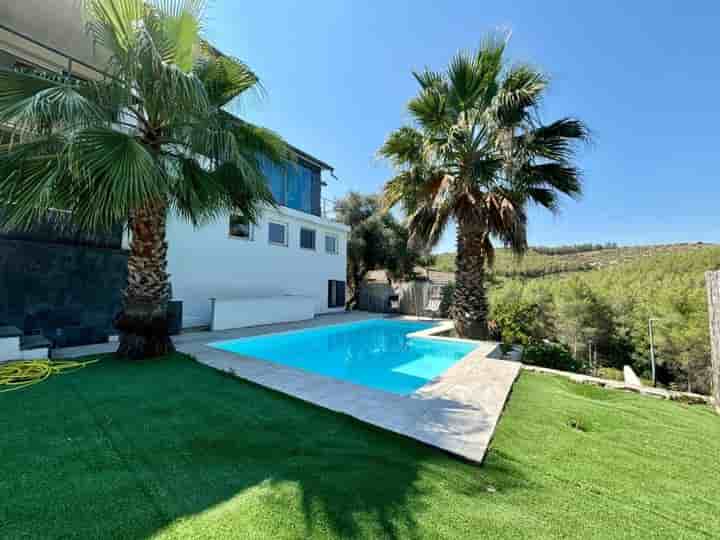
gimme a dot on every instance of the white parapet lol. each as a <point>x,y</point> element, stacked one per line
<point>9,349</point>
<point>230,313</point>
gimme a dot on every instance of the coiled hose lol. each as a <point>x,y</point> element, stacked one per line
<point>24,373</point>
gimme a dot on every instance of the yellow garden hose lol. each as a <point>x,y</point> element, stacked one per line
<point>24,373</point>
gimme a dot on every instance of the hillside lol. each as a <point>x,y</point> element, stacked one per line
<point>598,302</point>
<point>537,262</point>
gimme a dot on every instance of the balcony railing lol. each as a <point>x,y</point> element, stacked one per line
<point>328,209</point>
<point>33,53</point>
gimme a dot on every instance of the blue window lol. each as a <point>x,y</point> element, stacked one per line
<point>299,188</point>
<point>292,184</point>
<point>276,178</point>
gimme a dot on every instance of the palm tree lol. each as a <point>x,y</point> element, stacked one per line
<point>150,139</point>
<point>477,154</point>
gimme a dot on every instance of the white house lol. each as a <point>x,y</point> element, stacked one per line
<point>289,252</point>
<point>291,263</point>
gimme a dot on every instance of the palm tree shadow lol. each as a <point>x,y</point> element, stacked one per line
<point>171,442</point>
<point>352,478</point>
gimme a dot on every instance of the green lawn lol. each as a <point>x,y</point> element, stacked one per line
<point>172,449</point>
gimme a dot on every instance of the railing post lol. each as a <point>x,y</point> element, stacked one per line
<point>712,280</point>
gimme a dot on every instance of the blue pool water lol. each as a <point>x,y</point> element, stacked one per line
<point>374,353</point>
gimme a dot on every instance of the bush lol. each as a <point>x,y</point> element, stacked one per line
<point>519,320</point>
<point>553,356</point>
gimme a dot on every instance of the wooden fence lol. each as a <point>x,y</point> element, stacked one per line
<point>414,296</point>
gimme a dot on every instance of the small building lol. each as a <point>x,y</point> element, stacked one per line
<point>66,285</point>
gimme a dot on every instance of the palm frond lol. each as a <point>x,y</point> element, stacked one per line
<point>404,147</point>
<point>421,224</point>
<point>114,24</point>
<point>429,79</point>
<point>225,78</point>
<point>181,23</point>
<point>33,101</point>
<point>29,174</point>
<point>113,170</point>
<point>429,109</point>
<point>259,140</point>
<point>489,60</point>
<point>394,190</point>
<point>520,91</point>
<point>507,219</point>
<point>555,141</point>
<point>466,82</point>
<point>558,177</point>
<point>168,92</point>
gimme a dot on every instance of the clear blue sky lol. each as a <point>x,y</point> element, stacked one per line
<point>644,75</point>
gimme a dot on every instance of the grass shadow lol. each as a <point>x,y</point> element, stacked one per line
<point>142,447</point>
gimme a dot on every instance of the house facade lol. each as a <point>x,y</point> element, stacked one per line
<point>294,250</point>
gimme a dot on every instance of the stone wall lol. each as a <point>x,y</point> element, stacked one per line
<point>68,293</point>
<point>713,288</point>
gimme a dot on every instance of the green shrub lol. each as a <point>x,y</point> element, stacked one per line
<point>553,356</point>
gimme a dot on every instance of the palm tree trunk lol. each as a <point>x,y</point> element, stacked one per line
<point>143,323</point>
<point>470,306</point>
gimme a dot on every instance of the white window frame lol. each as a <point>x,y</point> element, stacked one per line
<point>302,228</point>
<point>286,226</point>
<point>249,238</point>
<point>337,244</point>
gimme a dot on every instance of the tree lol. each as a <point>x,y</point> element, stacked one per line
<point>152,138</point>
<point>401,257</point>
<point>377,241</point>
<point>583,318</point>
<point>477,154</point>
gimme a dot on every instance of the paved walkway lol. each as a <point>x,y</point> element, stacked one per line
<point>456,412</point>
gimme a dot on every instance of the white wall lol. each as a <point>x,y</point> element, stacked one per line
<point>207,263</point>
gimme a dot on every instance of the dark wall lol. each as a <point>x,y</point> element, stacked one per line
<point>70,293</point>
<point>56,228</point>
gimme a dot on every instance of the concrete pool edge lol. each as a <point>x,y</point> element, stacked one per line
<point>457,411</point>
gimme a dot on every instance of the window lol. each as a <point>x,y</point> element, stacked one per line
<point>331,244</point>
<point>299,188</point>
<point>307,238</point>
<point>295,185</point>
<point>277,233</point>
<point>240,228</point>
<point>276,178</point>
<point>336,293</point>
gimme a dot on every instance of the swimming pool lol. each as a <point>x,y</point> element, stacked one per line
<point>374,353</point>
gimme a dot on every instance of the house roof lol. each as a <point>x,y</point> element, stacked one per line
<point>311,159</point>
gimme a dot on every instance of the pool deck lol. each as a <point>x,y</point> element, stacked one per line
<point>456,412</point>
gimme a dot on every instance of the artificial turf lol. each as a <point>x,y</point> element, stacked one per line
<point>172,449</point>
